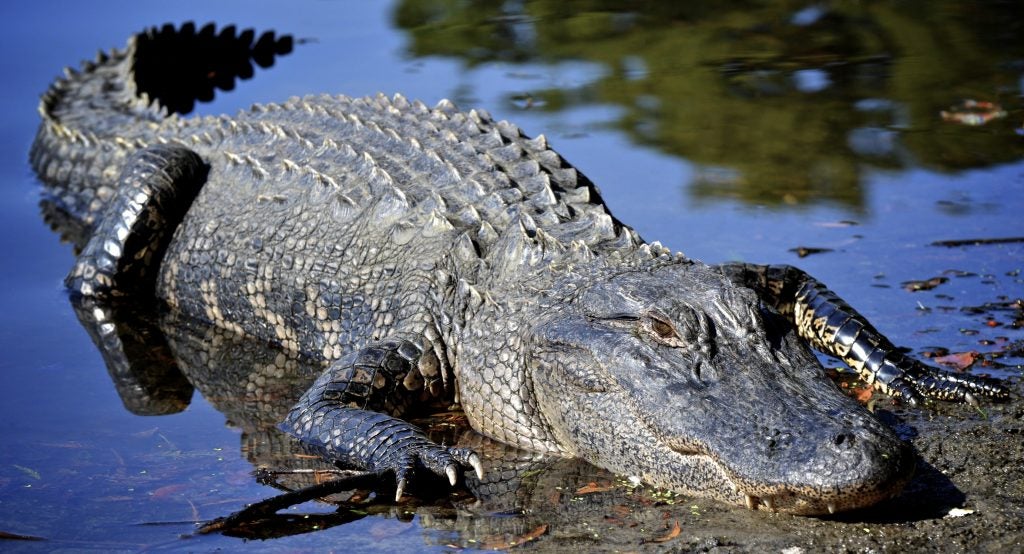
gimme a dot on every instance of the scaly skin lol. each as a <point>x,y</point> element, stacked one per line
<point>430,254</point>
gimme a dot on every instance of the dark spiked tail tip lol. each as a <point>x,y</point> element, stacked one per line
<point>177,67</point>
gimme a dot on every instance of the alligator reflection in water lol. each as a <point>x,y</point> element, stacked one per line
<point>771,104</point>
<point>157,361</point>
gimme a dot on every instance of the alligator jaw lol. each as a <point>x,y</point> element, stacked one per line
<point>794,500</point>
<point>755,503</point>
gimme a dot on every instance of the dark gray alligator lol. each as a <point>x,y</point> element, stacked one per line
<point>429,254</point>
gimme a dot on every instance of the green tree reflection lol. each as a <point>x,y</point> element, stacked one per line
<point>775,102</point>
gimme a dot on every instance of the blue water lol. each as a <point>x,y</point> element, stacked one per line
<point>79,471</point>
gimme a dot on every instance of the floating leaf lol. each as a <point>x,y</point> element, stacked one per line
<point>928,284</point>
<point>29,471</point>
<point>804,251</point>
<point>959,360</point>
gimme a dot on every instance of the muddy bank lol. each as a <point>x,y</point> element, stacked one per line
<point>967,495</point>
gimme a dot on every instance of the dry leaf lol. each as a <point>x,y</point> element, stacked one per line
<point>673,533</point>
<point>167,490</point>
<point>501,544</point>
<point>593,487</point>
<point>863,395</point>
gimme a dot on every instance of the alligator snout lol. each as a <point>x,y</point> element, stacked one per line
<point>849,468</point>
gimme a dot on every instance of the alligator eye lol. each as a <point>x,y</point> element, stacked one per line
<point>663,331</point>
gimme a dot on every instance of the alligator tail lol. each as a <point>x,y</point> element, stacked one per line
<point>91,116</point>
<point>176,67</point>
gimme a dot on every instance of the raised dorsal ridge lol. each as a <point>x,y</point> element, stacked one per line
<point>469,294</point>
<point>480,117</point>
<point>486,235</point>
<point>579,252</point>
<point>538,143</point>
<point>445,105</point>
<point>436,224</point>
<point>464,249</point>
<point>433,202</point>
<point>343,208</point>
<point>391,204</point>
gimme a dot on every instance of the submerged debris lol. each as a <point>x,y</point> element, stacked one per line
<point>977,242</point>
<point>927,284</point>
<point>804,251</point>
<point>973,113</point>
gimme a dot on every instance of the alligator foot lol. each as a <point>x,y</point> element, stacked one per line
<point>377,442</point>
<point>830,325</point>
<point>439,459</point>
<point>340,415</point>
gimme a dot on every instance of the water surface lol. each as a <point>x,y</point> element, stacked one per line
<point>727,133</point>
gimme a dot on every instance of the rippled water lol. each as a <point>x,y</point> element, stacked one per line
<point>725,133</point>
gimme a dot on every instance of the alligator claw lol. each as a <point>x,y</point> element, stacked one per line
<point>466,456</point>
<point>440,460</point>
<point>399,489</point>
<point>474,461</point>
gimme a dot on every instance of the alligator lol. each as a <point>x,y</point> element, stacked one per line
<point>435,256</point>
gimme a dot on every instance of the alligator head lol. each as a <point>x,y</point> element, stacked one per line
<point>681,378</point>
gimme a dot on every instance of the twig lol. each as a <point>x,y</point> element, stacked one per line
<point>271,505</point>
<point>975,242</point>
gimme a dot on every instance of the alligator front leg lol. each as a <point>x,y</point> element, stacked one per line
<point>341,415</point>
<point>830,325</point>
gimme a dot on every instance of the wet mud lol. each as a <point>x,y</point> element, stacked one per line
<point>967,496</point>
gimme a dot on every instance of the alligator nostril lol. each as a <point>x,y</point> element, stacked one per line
<point>844,440</point>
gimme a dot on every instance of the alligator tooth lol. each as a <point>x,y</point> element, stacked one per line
<point>752,502</point>
<point>831,508</point>
<point>769,503</point>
